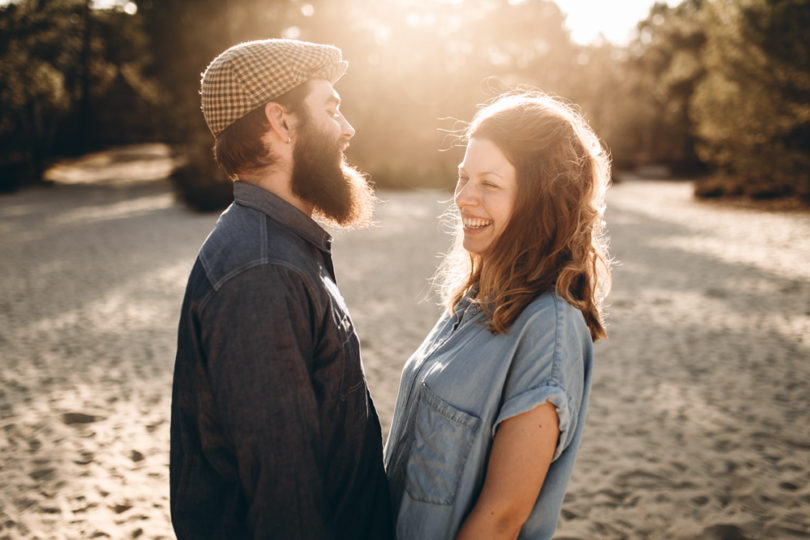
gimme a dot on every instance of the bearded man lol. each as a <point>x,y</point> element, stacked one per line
<point>273,432</point>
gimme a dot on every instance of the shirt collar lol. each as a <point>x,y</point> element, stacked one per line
<point>282,212</point>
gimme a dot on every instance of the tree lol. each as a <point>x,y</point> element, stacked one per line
<point>35,96</point>
<point>59,61</point>
<point>663,67</point>
<point>752,111</point>
<point>411,64</point>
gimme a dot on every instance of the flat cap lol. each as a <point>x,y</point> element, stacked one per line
<point>250,74</point>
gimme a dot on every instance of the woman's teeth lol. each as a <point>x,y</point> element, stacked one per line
<point>475,223</point>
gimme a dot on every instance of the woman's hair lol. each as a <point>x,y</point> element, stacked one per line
<point>555,237</point>
<point>241,148</point>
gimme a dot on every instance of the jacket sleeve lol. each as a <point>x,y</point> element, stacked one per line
<point>259,337</point>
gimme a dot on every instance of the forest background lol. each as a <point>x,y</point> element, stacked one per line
<point>718,89</point>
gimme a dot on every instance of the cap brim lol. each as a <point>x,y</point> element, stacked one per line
<point>332,72</point>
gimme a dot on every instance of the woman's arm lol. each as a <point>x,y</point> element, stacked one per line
<point>521,454</point>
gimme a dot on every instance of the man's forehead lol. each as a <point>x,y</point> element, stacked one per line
<point>323,91</point>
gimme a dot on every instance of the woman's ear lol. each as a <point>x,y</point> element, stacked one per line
<point>279,120</point>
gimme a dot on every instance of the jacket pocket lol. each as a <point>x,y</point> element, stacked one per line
<point>443,436</point>
<point>353,377</point>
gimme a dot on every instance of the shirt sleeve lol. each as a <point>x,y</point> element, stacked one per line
<point>548,365</point>
<point>259,336</point>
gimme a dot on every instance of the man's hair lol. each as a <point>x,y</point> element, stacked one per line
<point>240,147</point>
<point>554,238</point>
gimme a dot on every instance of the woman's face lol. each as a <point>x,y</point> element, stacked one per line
<point>485,194</point>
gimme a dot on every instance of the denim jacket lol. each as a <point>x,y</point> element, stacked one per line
<point>273,432</point>
<point>458,387</point>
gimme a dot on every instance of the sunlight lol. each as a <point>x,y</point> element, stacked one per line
<point>291,32</point>
<point>124,306</point>
<point>120,165</point>
<point>124,209</point>
<point>130,8</point>
<point>382,33</point>
<point>615,21</point>
<point>587,21</point>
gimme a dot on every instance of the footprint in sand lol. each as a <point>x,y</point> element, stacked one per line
<point>74,418</point>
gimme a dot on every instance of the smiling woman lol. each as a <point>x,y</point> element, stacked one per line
<point>492,405</point>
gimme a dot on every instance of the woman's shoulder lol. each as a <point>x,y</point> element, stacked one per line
<point>550,312</point>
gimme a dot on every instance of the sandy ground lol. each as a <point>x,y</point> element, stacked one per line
<point>700,414</point>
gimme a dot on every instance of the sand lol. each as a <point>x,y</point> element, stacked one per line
<point>699,418</point>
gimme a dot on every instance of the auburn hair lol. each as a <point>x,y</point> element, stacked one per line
<point>555,237</point>
<point>241,148</point>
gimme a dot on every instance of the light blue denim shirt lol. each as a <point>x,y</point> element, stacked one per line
<point>458,387</point>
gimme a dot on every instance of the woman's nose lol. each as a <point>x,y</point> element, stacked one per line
<point>464,195</point>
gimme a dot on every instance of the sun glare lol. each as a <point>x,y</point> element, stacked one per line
<point>291,32</point>
<point>588,21</point>
<point>615,21</point>
<point>130,8</point>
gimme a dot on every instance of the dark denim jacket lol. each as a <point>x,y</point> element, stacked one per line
<point>273,431</point>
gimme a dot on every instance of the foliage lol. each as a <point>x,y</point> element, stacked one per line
<point>64,65</point>
<point>411,66</point>
<point>752,110</point>
<point>663,66</point>
<point>200,186</point>
<point>35,93</point>
<point>720,84</point>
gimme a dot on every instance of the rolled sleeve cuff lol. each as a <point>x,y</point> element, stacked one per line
<point>528,400</point>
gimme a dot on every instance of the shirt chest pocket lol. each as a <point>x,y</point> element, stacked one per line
<point>353,378</point>
<point>346,346</point>
<point>443,437</point>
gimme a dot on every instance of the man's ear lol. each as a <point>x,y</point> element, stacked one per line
<point>279,120</point>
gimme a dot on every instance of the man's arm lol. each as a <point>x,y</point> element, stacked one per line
<point>259,341</point>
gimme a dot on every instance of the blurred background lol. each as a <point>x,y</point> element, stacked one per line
<point>718,90</point>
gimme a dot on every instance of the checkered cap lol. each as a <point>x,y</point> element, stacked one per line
<point>250,74</point>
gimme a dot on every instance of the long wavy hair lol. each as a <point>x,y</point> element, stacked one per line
<point>555,238</point>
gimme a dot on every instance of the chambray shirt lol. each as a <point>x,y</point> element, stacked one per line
<point>458,387</point>
<point>273,432</point>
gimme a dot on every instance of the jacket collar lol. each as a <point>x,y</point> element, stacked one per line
<point>281,212</point>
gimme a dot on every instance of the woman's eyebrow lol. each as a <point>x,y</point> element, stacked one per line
<point>461,169</point>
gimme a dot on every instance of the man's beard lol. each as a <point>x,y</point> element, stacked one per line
<point>321,176</point>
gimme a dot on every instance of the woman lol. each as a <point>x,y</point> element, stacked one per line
<point>491,406</point>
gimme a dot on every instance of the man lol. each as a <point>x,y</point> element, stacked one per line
<point>273,432</point>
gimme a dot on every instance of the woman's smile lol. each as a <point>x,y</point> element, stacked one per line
<point>475,224</point>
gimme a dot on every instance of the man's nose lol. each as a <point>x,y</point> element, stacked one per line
<point>346,128</point>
